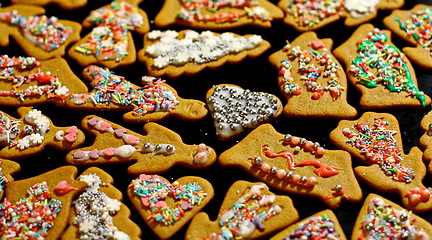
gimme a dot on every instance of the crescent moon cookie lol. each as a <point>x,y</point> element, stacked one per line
<point>311,79</point>
<point>236,110</point>
<point>188,52</point>
<point>380,71</point>
<point>380,218</point>
<point>7,168</point>
<point>66,5</point>
<point>98,213</point>
<point>156,152</point>
<point>32,132</point>
<point>321,225</point>
<point>217,14</point>
<point>154,101</point>
<point>375,140</point>
<point>110,43</point>
<point>248,211</point>
<point>295,165</point>
<point>35,208</point>
<point>414,27</point>
<point>426,139</point>
<point>312,15</point>
<point>38,35</point>
<point>167,207</point>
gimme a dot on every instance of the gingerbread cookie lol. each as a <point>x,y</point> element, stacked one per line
<point>25,81</point>
<point>7,168</point>
<point>38,207</point>
<point>156,152</point>
<point>203,14</point>
<point>380,218</point>
<point>414,27</point>
<point>312,15</point>
<point>249,211</point>
<point>321,225</point>
<point>311,79</point>
<point>236,110</point>
<point>38,35</point>
<point>66,5</point>
<point>32,131</point>
<point>155,101</point>
<point>379,70</point>
<point>375,140</point>
<point>295,165</point>
<point>166,207</point>
<point>98,212</point>
<point>188,52</point>
<point>426,139</point>
<point>110,43</point>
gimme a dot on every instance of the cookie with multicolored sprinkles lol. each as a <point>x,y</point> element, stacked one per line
<point>295,165</point>
<point>167,207</point>
<point>7,168</point>
<point>98,212</point>
<point>311,79</point>
<point>188,52</point>
<point>156,152</point>
<point>32,132</point>
<point>380,218</point>
<point>38,35</point>
<point>154,101</point>
<point>375,140</point>
<point>217,14</point>
<point>426,139</point>
<point>248,211</point>
<point>414,26</point>
<point>110,43</point>
<point>380,71</point>
<point>39,207</point>
<point>321,225</point>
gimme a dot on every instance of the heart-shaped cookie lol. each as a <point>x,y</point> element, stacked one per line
<point>157,201</point>
<point>235,110</point>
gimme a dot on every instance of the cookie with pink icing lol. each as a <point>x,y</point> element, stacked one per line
<point>32,132</point>
<point>295,165</point>
<point>38,35</point>
<point>98,212</point>
<point>426,139</point>
<point>7,168</point>
<point>156,152</point>
<point>166,206</point>
<point>114,23</point>
<point>154,101</point>
<point>248,211</point>
<point>375,140</point>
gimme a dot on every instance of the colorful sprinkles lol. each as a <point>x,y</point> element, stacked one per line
<point>312,13</point>
<point>46,32</point>
<point>378,146</point>
<point>3,180</point>
<point>31,217</point>
<point>319,227</point>
<point>153,192</point>
<point>379,62</point>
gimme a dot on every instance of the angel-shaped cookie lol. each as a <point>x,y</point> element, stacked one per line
<point>31,132</point>
<point>375,140</point>
<point>312,15</point>
<point>379,70</point>
<point>38,35</point>
<point>110,43</point>
<point>426,139</point>
<point>98,212</point>
<point>66,5</point>
<point>38,207</point>
<point>295,165</point>
<point>7,168</point>
<point>249,211</point>
<point>311,79</point>
<point>167,207</point>
<point>154,101</point>
<point>217,14</point>
<point>188,52</point>
<point>25,81</point>
<point>414,27</point>
<point>156,152</point>
<point>380,218</point>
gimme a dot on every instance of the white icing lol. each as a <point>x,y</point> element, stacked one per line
<point>124,151</point>
<point>359,9</point>
<point>59,135</point>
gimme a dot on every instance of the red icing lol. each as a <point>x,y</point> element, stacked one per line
<point>63,188</point>
<point>321,169</point>
<point>285,154</point>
